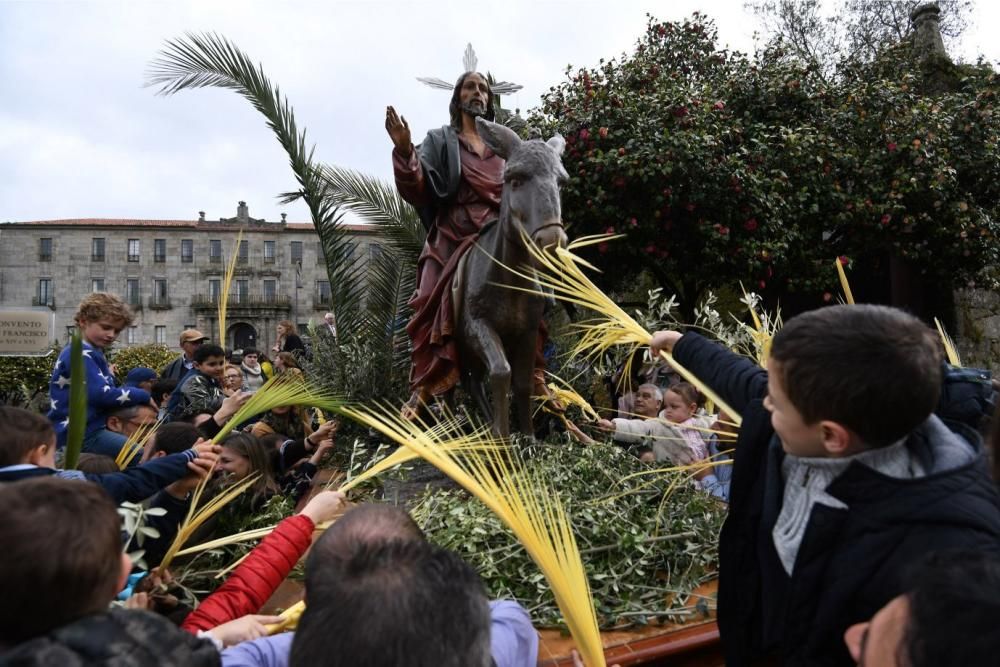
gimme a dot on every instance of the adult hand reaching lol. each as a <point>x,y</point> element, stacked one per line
<point>399,132</point>
<point>324,506</point>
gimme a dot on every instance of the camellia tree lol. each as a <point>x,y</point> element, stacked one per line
<point>723,168</point>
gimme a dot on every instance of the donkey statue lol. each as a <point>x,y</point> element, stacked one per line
<point>496,328</point>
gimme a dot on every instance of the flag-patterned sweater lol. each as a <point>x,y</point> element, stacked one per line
<point>103,393</point>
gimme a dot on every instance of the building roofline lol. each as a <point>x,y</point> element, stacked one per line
<point>195,225</point>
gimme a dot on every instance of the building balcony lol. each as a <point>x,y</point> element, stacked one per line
<point>159,303</point>
<point>134,303</point>
<point>243,301</point>
<point>45,257</point>
<point>47,301</point>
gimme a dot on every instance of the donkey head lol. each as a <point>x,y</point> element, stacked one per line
<point>532,177</point>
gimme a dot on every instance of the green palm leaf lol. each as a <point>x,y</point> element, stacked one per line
<point>77,414</point>
<point>211,61</point>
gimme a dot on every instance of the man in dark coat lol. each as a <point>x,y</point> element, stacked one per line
<point>842,478</point>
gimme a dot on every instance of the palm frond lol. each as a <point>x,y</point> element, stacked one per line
<point>77,414</point>
<point>558,274</point>
<point>522,501</point>
<point>210,60</point>
<point>846,286</point>
<point>391,282</point>
<point>134,444</point>
<point>197,516</point>
<point>227,282</point>
<point>949,345</point>
<point>379,203</point>
<point>279,391</point>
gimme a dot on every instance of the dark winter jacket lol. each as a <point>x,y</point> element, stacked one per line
<point>175,370</point>
<point>850,560</point>
<point>103,392</point>
<point>196,394</point>
<point>132,485</point>
<point>115,638</point>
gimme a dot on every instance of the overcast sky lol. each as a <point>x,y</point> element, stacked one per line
<point>80,137</point>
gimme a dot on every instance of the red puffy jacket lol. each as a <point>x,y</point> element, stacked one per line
<point>255,580</point>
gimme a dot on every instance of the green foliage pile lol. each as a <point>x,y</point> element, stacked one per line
<point>722,167</point>
<point>151,355</point>
<point>645,552</point>
<point>22,379</point>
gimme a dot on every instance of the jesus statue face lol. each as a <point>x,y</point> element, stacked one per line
<point>474,95</point>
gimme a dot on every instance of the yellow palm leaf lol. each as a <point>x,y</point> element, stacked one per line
<point>523,502</point>
<point>949,345</point>
<point>843,282</point>
<point>559,271</point>
<point>279,391</point>
<point>134,444</point>
<point>226,283</point>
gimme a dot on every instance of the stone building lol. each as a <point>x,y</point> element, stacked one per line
<point>171,273</point>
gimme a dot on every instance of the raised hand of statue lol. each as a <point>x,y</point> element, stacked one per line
<point>399,131</point>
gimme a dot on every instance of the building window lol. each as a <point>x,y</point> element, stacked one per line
<point>97,284</point>
<point>133,250</point>
<point>320,255</point>
<point>159,250</point>
<point>187,251</point>
<point>270,290</point>
<point>45,296</point>
<point>132,291</point>
<point>215,251</point>
<point>374,251</point>
<point>160,292</point>
<point>351,247</point>
<point>189,326</point>
<point>296,252</point>
<point>243,255</point>
<point>214,289</point>
<point>161,335</point>
<point>131,336</point>
<point>323,294</point>
<point>97,250</point>
<point>269,252</point>
<point>44,250</point>
<point>242,291</point>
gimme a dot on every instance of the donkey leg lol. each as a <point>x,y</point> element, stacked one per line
<point>522,383</point>
<point>487,346</point>
<point>475,387</point>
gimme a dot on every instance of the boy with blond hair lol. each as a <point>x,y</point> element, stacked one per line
<point>842,477</point>
<point>100,317</point>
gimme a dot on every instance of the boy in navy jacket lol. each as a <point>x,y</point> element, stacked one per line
<point>842,478</point>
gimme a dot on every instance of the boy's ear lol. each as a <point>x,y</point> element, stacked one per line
<point>36,456</point>
<point>838,440</point>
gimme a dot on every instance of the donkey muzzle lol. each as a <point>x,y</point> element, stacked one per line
<point>550,234</point>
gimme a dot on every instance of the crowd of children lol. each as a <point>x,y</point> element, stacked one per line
<point>861,528</point>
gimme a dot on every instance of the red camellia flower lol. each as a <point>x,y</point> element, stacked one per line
<point>827,296</point>
<point>689,206</point>
<point>603,133</point>
<point>650,249</point>
<point>633,222</point>
<point>724,230</point>
<point>602,247</point>
<point>719,106</point>
<point>609,230</point>
<point>762,284</point>
<point>886,218</point>
<point>750,225</point>
<point>891,146</point>
<point>681,111</point>
<point>844,259</point>
<point>584,134</point>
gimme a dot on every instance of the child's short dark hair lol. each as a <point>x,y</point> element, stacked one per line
<point>208,350</point>
<point>161,387</point>
<point>98,306</point>
<point>175,437</point>
<point>874,369</point>
<point>249,350</point>
<point>23,430</point>
<point>96,463</point>
<point>62,554</point>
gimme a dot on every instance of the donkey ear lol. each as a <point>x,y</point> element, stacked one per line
<point>557,143</point>
<point>501,140</point>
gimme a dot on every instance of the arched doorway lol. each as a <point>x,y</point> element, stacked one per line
<point>243,336</point>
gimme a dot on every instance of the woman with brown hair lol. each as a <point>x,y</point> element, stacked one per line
<point>288,339</point>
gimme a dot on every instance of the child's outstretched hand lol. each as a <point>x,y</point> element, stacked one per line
<point>243,629</point>
<point>321,449</point>
<point>324,506</point>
